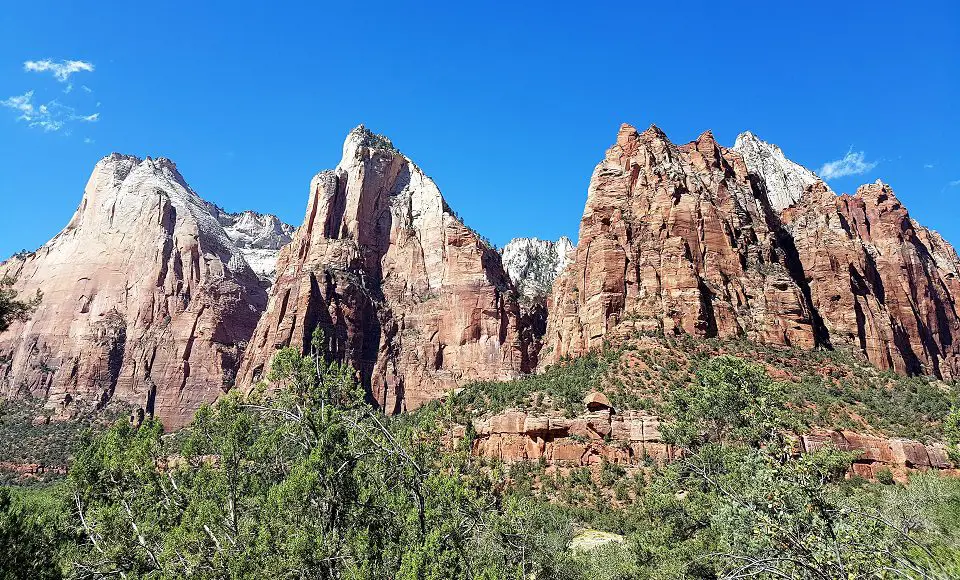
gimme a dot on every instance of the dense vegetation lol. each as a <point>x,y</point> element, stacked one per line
<point>307,481</point>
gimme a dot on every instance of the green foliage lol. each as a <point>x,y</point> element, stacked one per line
<point>951,430</point>
<point>10,307</point>
<point>562,386</point>
<point>35,533</point>
<point>732,401</point>
<point>50,444</point>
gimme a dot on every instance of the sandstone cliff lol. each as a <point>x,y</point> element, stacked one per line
<point>145,300</point>
<point>633,439</point>
<point>678,239</point>
<point>743,242</point>
<point>880,281</point>
<point>406,293</point>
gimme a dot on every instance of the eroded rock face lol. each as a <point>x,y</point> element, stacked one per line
<point>404,291</point>
<point>880,281</point>
<point>677,239</point>
<point>534,264</point>
<point>727,242</point>
<point>145,300</point>
<point>258,236</point>
<point>633,439</point>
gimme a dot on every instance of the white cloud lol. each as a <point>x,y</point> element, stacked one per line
<point>928,165</point>
<point>61,70</point>
<point>955,183</point>
<point>49,117</point>
<point>88,140</point>
<point>853,163</point>
<point>22,103</point>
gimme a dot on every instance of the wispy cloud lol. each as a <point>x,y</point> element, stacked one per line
<point>54,115</point>
<point>853,163</point>
<point>61,70</point>
<point>49,117</point>
<point>928,165</point>
<point>955,183</point>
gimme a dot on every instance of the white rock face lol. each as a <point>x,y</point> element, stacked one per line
<point>533,264</point>
<point>145,300</point>
<point>258,236</point>
<point>785,179</point>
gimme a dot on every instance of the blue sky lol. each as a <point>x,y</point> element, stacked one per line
<point>508,107</point>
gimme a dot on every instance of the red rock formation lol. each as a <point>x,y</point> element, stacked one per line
<point>880,281</point>
<point>676,239</point>
<point>633,439</point>
<point>406,293</point>
<point>703,240</point>
<point>145,300</point>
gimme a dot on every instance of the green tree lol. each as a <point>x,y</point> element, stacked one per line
<point>33,534</point>
<point>732,401</point>
<point>10,307</point>
<point>303,479</point>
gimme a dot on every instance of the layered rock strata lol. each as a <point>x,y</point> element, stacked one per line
<point>633,439</point>
<point>403,290</point>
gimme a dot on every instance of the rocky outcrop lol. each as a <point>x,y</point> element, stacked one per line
<point>879,281</point>
<point>677,239</point>
<point>145,300</point>
<point>722,242</point>
<point>783,181</point>
<point>633,439</point>
<point>403,291</point>
<point>534,264</point>
<point>259,237</point>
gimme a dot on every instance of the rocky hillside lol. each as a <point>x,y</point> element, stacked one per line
<point>534,264</point>
<point>406,293</point>
<point>741,242</point>
<point>259,237</point>
<point>146,300</point>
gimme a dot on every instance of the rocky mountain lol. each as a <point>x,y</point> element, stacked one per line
<point>534,264</point>
<point>414,299</point>
<point>146,300</point>
<point>258,236</point>
<point>724,242</point>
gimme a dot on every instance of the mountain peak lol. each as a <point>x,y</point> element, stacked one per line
<point>785,180</point>
<point>361,136</point>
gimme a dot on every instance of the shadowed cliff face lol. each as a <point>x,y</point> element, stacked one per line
<point>403,290</point>
<point>742,242</point>
<point>145,300</point>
